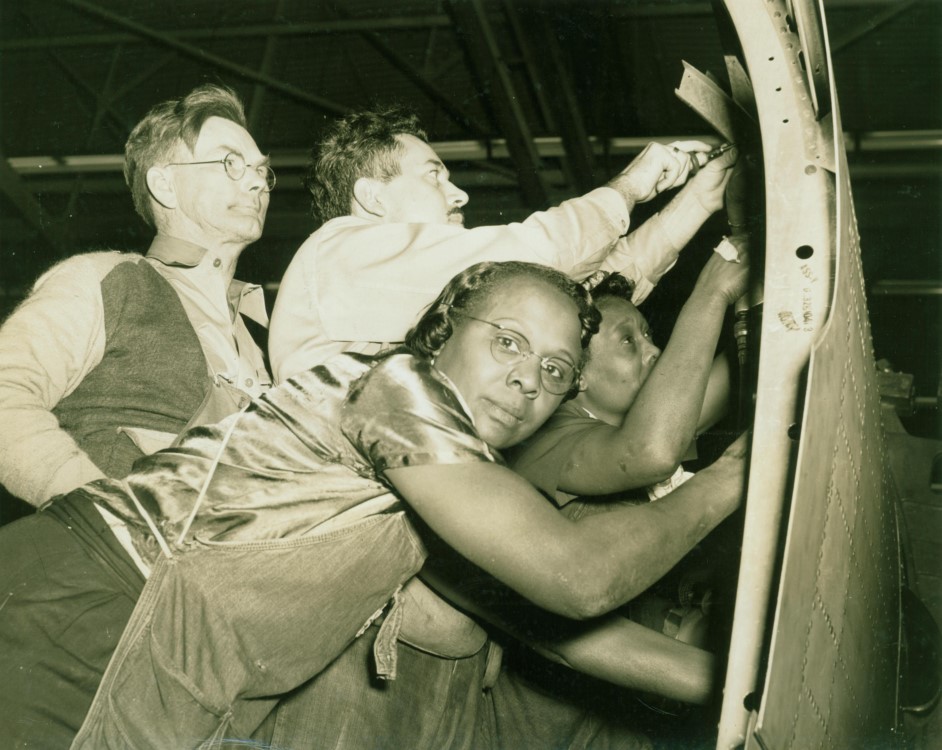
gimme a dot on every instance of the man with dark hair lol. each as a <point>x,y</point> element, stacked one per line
<point>113,354</point>
<point>362,144</point>
<point>393,234</point>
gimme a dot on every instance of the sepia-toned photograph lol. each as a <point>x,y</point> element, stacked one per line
<point>470,374</point>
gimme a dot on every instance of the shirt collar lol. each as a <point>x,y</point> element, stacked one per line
<point>172,251</point>
<point>249,299</point>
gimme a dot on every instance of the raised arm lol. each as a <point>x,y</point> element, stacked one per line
<point>651,250</point>
<point>498,521</point>
<point>657,430</point>
<point>364,281</point>
<point>47,346</point>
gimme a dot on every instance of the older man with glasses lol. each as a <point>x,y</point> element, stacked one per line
<point>113,354</point>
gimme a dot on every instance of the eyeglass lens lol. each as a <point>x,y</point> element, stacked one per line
<point>236,166</point>
<point>508,347</point>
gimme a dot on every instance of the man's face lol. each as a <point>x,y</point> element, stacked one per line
<point>507,400</point>
<point>422,193</point>
<point>621,356</point>
<point>212,208</point>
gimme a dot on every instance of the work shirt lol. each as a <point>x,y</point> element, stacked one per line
<point>215,309</point>
<point>359,285</point>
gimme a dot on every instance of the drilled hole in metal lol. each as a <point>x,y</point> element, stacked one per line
<point>804,252</point>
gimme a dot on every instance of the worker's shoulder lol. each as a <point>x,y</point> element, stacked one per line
<point>88,266</point>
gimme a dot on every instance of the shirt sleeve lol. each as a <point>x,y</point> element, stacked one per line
<point>650,251</point>
<point>48,345</point>
<point>403,413</point>
<point>371,281</point>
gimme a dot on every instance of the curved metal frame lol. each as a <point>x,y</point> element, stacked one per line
<point>828,483</point>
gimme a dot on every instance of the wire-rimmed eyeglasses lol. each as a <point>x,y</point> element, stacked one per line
<point>510,347</point>
<point>235,168</point>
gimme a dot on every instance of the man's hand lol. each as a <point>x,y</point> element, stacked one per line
<point>656,169</point>
<point>710,182</point>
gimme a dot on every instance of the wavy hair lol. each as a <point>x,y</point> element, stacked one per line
<point>156,136</point>
<point>471,288</point>
<point>362,144</point>
<point>613,285</point>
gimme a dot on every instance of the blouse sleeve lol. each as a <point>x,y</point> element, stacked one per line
<point>404,413</point>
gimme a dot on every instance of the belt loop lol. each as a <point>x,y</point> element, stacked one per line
<point>495,656</point>
<point>384,647</point>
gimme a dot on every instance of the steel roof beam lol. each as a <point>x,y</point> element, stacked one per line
<point>651,9</point>
<point>256,106</point>
<point>13,187</point>
<point>203,56</point>
<point>848,38</point>
<point>352,26</point>
<point>421,81</point>
<point>497,89</point>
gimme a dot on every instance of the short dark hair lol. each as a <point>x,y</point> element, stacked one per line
<point>362,144</point>
<point>154,138</point>
<point>614,285</point>
<point>473,286</point>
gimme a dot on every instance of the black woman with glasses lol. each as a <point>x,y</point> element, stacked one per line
<point>113,354</point>
<point>281,537</point>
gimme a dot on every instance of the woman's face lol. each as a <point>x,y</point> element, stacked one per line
<point>621,356</point>
<point>508,401</point>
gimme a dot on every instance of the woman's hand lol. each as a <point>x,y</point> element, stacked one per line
<point>727,279</point>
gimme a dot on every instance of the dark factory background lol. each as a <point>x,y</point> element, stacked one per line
<point>528,102</point>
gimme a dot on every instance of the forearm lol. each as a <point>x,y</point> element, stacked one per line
<point>640,544</point>
<point>580,570</point>
<point>625,653</point>
<point>612,648</point>
<point>663,419</point>
<point>716,400</point>
<point>651,250</point>
<point>40,460</point>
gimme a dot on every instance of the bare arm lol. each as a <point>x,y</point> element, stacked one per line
<point>651,441</point>
<point>716,399</point>
<point>611,648</point>
<point>499,522</point>
<point>656,169</point>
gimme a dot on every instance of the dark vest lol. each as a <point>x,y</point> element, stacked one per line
<point>153,373</point>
